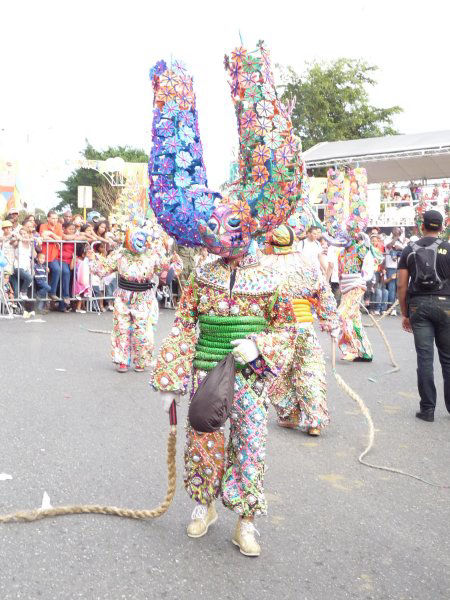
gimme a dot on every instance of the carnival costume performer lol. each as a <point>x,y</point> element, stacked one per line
<point>233,301</point>
<point>299,396</point>
<point>346,219</point>
<point>138,262</point>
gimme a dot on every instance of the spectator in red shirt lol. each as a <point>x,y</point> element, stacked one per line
<point>52,230</point>
<point>67,260</point>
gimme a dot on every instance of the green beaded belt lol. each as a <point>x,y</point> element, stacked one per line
<point>216,335</point>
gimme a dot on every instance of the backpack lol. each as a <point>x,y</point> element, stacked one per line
<point>427,278</point>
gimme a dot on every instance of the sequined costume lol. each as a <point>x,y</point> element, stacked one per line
<point>299,396</point>
<point>346,219</point>
<point>135,312</point>
<point>353,340</point>
<point>238,477</point>
<point>232,302</point>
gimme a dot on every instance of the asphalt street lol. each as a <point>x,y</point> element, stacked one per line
<point>73,428</point>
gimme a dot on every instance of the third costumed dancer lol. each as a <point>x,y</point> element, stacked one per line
<point>346,220</point>
<point>233,301</point>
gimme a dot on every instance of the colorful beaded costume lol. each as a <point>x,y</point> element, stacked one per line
<point>227,301</point>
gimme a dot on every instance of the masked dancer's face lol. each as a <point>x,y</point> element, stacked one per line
<point>223,235</point>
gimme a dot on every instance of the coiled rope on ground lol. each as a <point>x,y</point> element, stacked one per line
<point>371,428</point>
<point>26,516</point>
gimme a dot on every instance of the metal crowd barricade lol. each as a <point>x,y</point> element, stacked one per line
<point>21,258</point>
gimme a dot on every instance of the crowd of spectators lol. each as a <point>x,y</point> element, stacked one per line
<point>47,261</point>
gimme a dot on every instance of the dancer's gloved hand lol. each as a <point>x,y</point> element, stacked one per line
<point>167,399</point>
<point>245,351</point>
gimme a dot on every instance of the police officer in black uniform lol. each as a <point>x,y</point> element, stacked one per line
<point>424,296</point>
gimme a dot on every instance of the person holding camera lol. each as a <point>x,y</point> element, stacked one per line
<point>394,247</point>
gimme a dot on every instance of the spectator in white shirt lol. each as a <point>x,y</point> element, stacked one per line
<point>310,246</point>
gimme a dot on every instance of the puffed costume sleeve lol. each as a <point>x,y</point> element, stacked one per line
<point>326,306</point>
<point>276,343</point>
<point>176,356</point>
<point>103,266</point>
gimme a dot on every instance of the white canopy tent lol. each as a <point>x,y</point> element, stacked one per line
<point>390,158</point>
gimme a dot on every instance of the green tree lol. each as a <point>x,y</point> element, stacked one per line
<point>103,194</point>
<point>332,102</point>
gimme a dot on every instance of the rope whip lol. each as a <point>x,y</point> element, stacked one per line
<point>385,314</point>
<point>386,342</point>
<point>26,516</point>
<point>371,433</point>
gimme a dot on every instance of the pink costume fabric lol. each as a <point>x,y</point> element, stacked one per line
<point>134,312</point>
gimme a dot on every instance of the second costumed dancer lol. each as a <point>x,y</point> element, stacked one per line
<point>300,395</point>
<point>138,262</point>
<point>233,303</point>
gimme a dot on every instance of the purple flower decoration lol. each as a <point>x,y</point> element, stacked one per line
<point>165,165</point>
<point>156,116</point>
<point>157,69</point>
<point>179,67</point>
<point>185,117</point>
<point>170,109</point>
<point>183,160</point>
<point>165,128</point>
<point>196,150</point>
<point>200,175</point>
<point>205,203</point>
<point>172,145</point>
<point>162,185</point>
<point>187,135</point>
<point>182,179</point>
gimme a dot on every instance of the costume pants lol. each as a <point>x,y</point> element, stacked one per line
<point>430,322</point>
<point>305,403</point>
<point>238,476</point>
<point>132,330</point>
<point>353,339</point>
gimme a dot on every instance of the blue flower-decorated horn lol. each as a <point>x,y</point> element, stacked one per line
<point>178,191</point>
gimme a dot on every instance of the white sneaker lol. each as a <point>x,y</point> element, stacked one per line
<point>80,311</point>
<point>394,313</point>
<point>244,538</point>
<point>202,517</point>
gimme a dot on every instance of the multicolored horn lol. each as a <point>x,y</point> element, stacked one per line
<point>270,163</point>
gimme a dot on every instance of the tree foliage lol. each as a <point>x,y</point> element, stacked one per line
<point>332,102</point>
<point>104,195</point>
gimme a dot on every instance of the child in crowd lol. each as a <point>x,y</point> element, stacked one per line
<point>88,233</point>
<point>41,282</point>
<point>7,287</point>
<point>96,281</point>
<point>81,277</point>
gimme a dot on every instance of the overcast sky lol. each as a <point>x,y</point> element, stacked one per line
<point>72,70</point>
